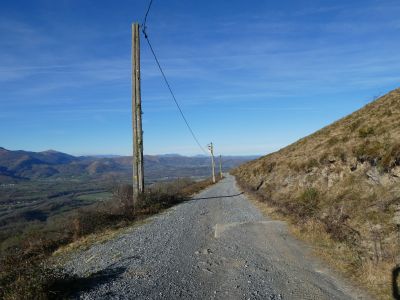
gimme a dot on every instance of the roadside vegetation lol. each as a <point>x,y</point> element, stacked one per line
<point>340,189</point>
<point>26,272</point>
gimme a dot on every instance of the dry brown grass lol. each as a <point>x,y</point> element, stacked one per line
<point>341,186</point>
<point>25,269</point>
<point>363,273</point>
<point>86,242</point>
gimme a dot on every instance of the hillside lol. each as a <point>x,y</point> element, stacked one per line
<point>36,186</point>
<point>343,181</point>
<point>16,166</point>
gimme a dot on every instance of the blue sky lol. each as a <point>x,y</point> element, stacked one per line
<point>251,76</point>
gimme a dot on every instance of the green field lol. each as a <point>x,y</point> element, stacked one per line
<point>95,196</point>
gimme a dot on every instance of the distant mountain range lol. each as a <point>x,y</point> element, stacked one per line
<point>26,165</point>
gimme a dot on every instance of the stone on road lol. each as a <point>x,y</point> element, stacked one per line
<point>216,246</point>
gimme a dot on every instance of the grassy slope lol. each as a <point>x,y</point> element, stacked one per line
<point>26,272</point>
<point>341,186</point>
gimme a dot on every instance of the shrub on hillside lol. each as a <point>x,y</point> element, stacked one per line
<point>365,132</point>
<point>370,151</point>
<point>336,226</point>
<point>391,157</point>
<point>311,163</point>
<point>340,153</point>
<point>306,205</point>
<point>333,141</point>
<point>122,198</point>
<point>354,125</point>
<point>24,273</point>
<point>24,277</point>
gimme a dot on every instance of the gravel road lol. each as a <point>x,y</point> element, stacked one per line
<point>211,247</point>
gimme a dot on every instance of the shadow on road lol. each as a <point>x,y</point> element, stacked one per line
<point>72,285</point>
<point>216,197</point>
<point>395,282</point>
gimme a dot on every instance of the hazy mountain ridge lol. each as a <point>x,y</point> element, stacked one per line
<point>25,165</point>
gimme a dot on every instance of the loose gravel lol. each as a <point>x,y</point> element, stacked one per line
<point>211,247</point>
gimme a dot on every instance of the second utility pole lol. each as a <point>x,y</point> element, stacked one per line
<point>220,166</point>
<point>138,171</point>
<point>211,148</point>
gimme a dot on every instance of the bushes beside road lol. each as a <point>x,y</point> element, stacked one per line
<point>25,269</point>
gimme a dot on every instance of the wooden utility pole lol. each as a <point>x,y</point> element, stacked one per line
<point>211,148</point>
<point>138,171</point>
<point>220,166</point>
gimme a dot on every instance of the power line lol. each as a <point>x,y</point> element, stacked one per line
<point>166,80</point>
<point>147,12</point>
<point>172,93</point>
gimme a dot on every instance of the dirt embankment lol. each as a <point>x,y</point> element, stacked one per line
<point>341,186</point>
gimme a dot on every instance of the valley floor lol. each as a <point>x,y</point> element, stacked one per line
<point>216,246</point>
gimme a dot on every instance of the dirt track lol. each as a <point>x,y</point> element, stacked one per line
<point>206,248</point>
